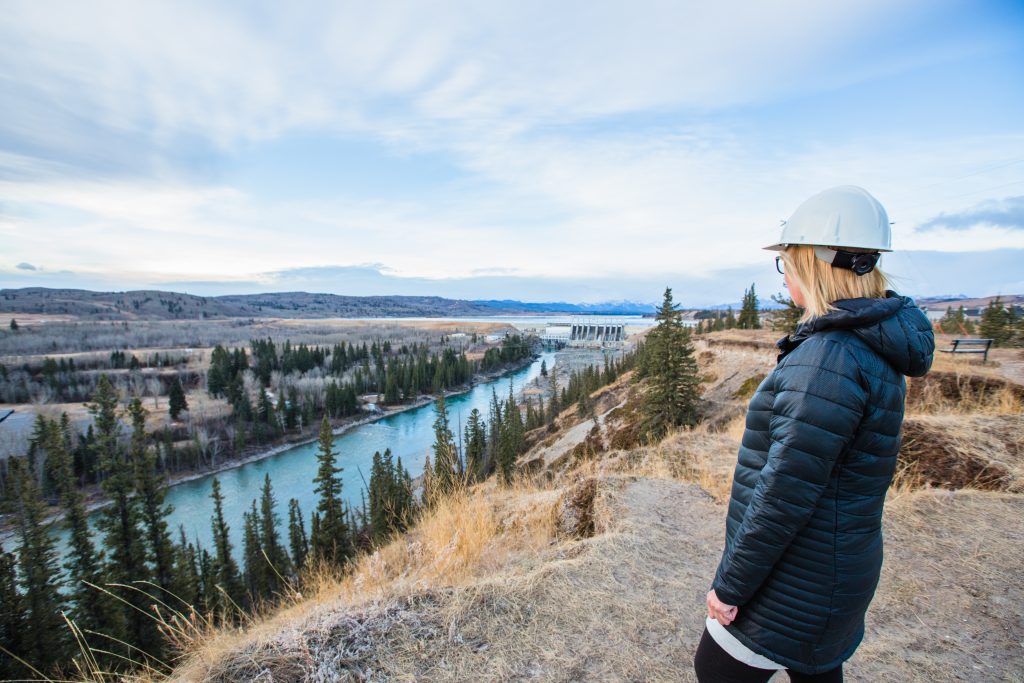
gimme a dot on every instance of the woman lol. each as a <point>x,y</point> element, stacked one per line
<point>803,545</point>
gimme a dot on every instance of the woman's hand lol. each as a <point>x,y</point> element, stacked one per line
<point>719,611</point>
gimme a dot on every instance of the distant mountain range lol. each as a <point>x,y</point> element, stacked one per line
<point>161,305</point>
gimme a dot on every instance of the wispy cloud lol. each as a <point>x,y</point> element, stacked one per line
<point>1001,213</point>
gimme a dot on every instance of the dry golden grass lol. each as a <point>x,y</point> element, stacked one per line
<point>472,535</point>
<point>963,393</point>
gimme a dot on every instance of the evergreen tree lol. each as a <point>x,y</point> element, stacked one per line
<point>227,593</point>
<point>428,483</point>
<point>390,497</point>
<point>330,539</point>
<point>186,567</point>
<point>93,609</point>
<point>252,558</point>
<point>749,318</point>
<point>996,323</point>
<point>730,320</point>
<point>119,521</point>
<point>447,467</point>
<point>176,399</point>
<point>297,539</point>
<point>14,325</point>
<point>786,319</point>
<point>44,637</point>
<point>544,368</point>
<point>553,407</point>
<point>494,438</point>
<point>672,397</point>
<point>151,491</point>
<point>12,621</point>
<point>476,445</point>
<point>275,561</point>
<point>380,498</point>
<point>511,439</point>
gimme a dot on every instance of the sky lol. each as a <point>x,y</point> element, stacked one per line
<point>574,151</point>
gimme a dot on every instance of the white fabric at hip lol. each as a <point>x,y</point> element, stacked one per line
<point>738,650</point>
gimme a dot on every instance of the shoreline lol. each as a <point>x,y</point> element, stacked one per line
<point>7,534</point>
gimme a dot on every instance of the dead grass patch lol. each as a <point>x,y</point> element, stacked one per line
<point>482,532</point>
<point>963,393</point>
<point>961,452</point>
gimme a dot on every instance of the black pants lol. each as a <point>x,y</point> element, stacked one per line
<point>715,665</point>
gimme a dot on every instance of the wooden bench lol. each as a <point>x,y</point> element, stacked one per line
<point>970,346</point>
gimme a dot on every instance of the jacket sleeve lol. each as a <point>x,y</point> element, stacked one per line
<point>819,402</point>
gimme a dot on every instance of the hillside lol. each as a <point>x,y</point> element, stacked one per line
<point>161,305</point>
<point>594,566</point>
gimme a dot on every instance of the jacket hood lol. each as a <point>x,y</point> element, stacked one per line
<point>893,326</point>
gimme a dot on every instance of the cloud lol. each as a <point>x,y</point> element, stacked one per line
<point>25,266</point>
<point>1001,213</point>
<point>116,88</point>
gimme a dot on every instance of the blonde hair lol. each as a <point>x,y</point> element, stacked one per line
<point>821,284</point>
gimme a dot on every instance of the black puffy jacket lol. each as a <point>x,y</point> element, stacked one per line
<point>803,545</point>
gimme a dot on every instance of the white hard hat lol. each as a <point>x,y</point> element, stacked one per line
<point>844,216</point>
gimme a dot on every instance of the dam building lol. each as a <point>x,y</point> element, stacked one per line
<point>585,332</point>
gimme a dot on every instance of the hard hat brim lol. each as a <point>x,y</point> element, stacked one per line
<point>781,246</point>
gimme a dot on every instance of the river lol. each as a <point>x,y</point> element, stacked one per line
<point>409,435</point>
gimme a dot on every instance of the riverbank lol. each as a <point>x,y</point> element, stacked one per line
<point>95,500</point>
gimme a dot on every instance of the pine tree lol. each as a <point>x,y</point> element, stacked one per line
<point>45,637</point>
<point>996,323</point>
<point>93,609</point>
<point>512,437</point>
<point>275,561</point>
<point>380,498</point>
<point>119,521</point>
<point>176,399</point>
<point>476,445</point>
<point>786,319</point>
<point>544,368</point>
<point>252,558</point>
<point>227,593</point>
<point>330,540</point>
<point>12,621</point>
<point>406,508</point>
<point>297,539</point>
<point>730,320</point>
<point>427,480</point>
<point>14,325</point>
<point>186,568</point>
<point>446,462</point>
<point>749,318</point>
<point>672,397</point>
<point>494,438</point>
<point>151,491</point>
<point>553,405</point>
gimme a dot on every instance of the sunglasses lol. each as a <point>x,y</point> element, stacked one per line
<point>779,266</point>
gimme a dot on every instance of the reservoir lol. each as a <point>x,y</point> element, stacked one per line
<point>409,435</point>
